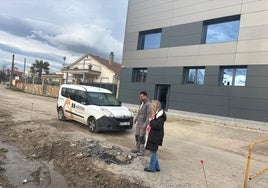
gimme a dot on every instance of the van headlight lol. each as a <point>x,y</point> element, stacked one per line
<point>107,113</point>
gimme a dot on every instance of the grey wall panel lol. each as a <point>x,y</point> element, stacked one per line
<point>203,90</point>
<point>212,70</point>
<point>212,75</point>
<point>184,29</point>
<point>249,103</point>
<point>199,108</point>
<point>182,40</point>
<point>257,70</point>
<point>182,35</point>
<point>203,99</point>
<point>248,114</point>
<point>241,102</point>
<point>211,80</point>
<point>259,93</point>
<point>164,75</point>
<point>257,81</point>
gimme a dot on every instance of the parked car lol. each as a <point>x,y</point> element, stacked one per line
<point>95,107</point>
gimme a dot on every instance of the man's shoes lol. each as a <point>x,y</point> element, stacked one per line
<point>140,153</point>
<point>157,170</point>
<point>148,170</point>
<point>135,151</point>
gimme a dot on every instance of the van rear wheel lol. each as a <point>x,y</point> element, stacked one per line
<point>92,125</point>
<point>61,116</point>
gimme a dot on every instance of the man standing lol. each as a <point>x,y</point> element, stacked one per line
<point>142,121</point>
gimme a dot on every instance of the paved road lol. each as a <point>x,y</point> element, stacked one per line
<point>224,149</point>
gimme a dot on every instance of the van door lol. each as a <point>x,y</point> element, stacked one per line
<point>72,108</point>
<point>68,103</point>
<point>79,106</point>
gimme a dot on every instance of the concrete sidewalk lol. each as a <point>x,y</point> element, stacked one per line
<point>212,119</point>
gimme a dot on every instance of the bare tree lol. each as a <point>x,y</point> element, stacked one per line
<point>3,73</point>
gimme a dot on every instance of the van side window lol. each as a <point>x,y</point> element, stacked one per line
<point>63,92</point>
<point>66,92</point>
<point>71,93</point>
<point>81,97</point>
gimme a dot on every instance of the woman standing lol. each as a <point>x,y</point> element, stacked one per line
<point>156,135</point>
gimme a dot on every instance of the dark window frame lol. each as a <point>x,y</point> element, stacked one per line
<point>234,68</point>
<point>186,73</point>
<point>142,34</point>
<point>206,23</point>
<point>135,74</point>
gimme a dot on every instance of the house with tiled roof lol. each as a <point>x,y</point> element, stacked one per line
<point>92,69</point>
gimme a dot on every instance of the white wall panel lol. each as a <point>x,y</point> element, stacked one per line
<point>217,13</point>
<point>260,45</point>
<point>204,7</point>
<point>218,48</point>
<point>254,6</point>
<point>161,52</point>
<point>254,19</point>
<point>191,50</point>
<point>182,61</point>
<point>219,59</point>
<point>254,32</point>
<point>251,58</point>
<point>145,62</point>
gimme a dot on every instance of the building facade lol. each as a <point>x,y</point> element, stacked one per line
<point>92,69</point>
<point>203,56</point>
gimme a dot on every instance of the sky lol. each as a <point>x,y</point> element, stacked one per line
<point>52,29</point>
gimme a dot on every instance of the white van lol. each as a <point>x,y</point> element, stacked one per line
<point>95,107</point>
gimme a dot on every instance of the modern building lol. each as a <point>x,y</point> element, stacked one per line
<point>203,56</point>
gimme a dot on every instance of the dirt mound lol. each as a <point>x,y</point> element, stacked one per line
<point>75,159</point>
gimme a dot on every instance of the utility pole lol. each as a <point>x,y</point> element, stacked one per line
<point>24,67</point>
<point>67,67</point>
<point>12,69</point>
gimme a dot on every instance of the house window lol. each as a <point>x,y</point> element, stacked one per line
<point>139,75</point>
<point>221,30</point>
<point>194,75</point>
<point>233,76</point>
<point>149,39</point>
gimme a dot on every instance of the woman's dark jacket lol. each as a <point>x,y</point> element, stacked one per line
<point>156,134</point>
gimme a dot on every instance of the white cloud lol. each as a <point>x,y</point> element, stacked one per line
<point>53,29</point>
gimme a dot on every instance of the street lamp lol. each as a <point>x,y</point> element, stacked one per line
<point>67,67</point>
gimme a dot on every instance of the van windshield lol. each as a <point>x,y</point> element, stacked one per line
<point>103,99</point>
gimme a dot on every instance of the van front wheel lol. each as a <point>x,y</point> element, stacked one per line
<point>61,116</point>
<point>92,125</point>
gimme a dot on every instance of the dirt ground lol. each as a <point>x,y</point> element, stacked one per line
<point>37,150</point>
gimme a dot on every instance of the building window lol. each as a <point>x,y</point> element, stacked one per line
<point>149,39</point>
<point>221,30</point>
<point>139,75</point>
<point>194,75</point>
<point>233,76</point>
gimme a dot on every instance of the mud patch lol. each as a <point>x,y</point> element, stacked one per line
<point>3,179</point>
<point>20,170</point>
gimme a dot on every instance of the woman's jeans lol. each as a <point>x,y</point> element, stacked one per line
<point>154,164</point>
